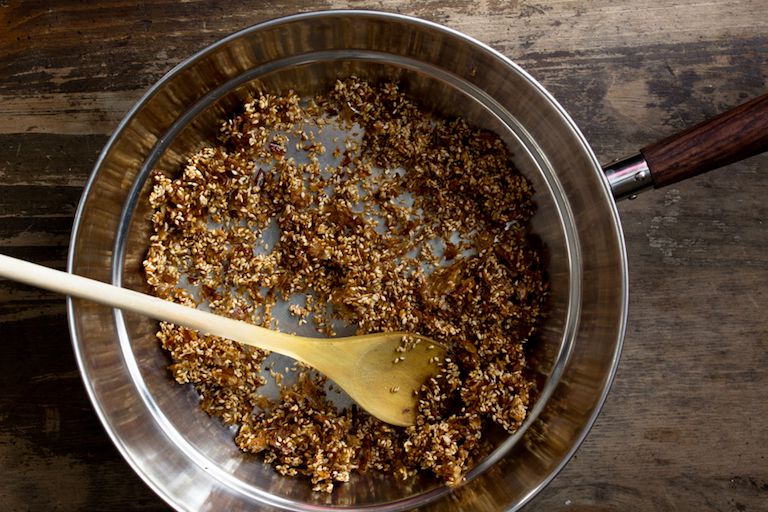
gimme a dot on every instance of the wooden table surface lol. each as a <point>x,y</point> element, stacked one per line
<point>686,424</point>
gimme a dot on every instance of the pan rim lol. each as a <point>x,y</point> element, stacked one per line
<point>88,191</point>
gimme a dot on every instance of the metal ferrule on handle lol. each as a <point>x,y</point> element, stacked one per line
<point>628,177</point>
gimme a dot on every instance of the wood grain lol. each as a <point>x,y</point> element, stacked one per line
<point>729,137</point>
<point>686,424</point>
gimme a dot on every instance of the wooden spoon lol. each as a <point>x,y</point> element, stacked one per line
<point>382,380</point>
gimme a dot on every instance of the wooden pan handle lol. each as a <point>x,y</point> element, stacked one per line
<point>727,138</point>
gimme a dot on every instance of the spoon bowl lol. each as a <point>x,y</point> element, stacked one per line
<point>390,366</point>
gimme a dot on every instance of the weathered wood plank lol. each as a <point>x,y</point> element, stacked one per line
<point>48,429</point>
<point>80,47</point>
<point>43,239</point>
<point>601,85</point>
<point>66,113</point>
<point>35,201</point>
<point>48,159</point>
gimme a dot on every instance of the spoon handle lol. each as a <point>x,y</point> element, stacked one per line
<point>153,307</point>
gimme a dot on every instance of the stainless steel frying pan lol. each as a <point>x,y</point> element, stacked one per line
<point>188,458</point>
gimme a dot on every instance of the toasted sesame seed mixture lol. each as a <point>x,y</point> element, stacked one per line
<point>420,225</point>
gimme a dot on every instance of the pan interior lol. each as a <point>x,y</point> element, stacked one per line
<point>208,442</point>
